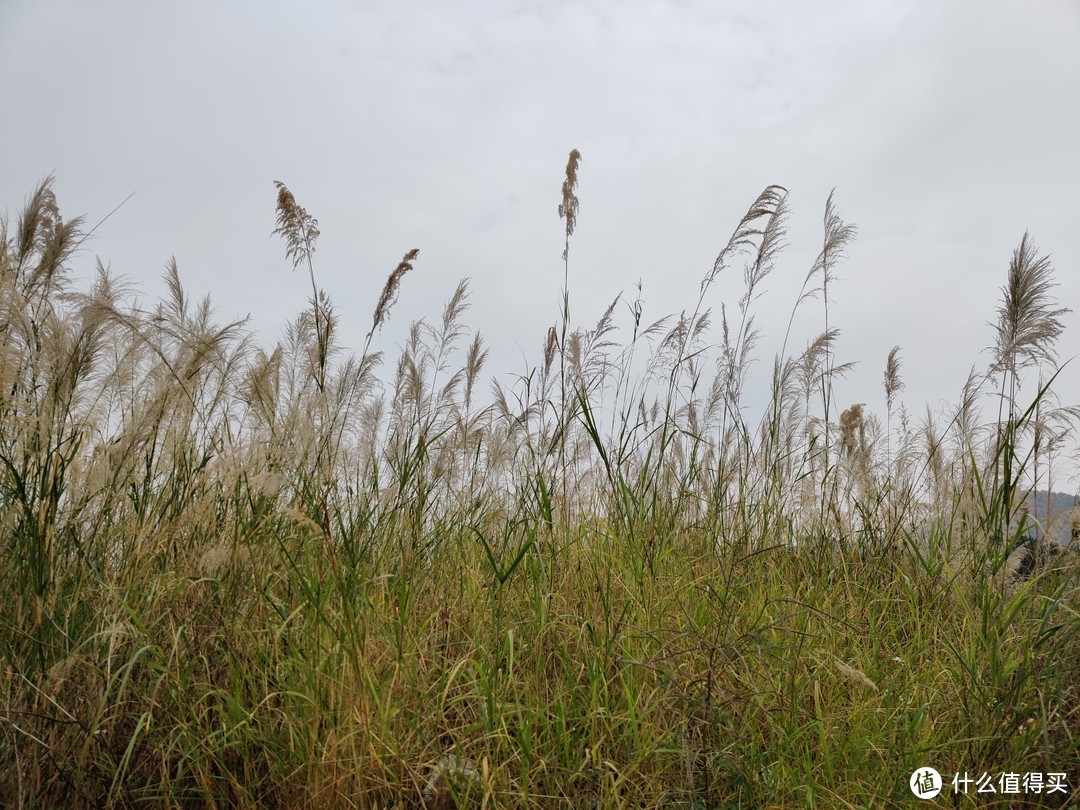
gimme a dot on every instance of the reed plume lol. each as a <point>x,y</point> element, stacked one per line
<point>390,290</point>
<point>893,383</point>
<point>893,386</point>
<point>389,295</point>
<point>568,208</point>
<point>1028,322</point>
<point>301,230</point>
<point>838,235</point>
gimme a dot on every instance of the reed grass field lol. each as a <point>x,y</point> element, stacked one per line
<point>239,575</point>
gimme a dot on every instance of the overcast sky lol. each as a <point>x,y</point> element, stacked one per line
<point>947,129</point>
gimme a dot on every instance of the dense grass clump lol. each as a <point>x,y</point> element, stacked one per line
<point>240,577</point>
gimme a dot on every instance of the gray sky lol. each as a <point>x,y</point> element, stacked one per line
<point>948,129</point>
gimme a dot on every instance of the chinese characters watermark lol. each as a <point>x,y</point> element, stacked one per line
<point>926,783</point>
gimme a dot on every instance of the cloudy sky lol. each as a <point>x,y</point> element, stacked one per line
<point>947,130</point>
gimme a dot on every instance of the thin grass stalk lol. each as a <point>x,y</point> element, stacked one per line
<point>568,211</point>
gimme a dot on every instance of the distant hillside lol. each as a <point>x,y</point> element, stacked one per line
<point>1061,505</point>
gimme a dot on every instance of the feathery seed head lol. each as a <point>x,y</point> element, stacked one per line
<point>838,235</point>
<point>551,345</point>
<point>390,290</point>
<point>853,430</point>
<point>568,208</point>
<point>764,242</point>
<point>893,383</point>
<point>855,675</point>
<point>299,228</point>
<point>1028,324</point>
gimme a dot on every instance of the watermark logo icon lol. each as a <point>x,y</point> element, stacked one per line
<point>925,783</point>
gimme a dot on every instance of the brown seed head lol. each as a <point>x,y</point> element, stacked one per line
<point>568,208</point>
<point>299,228</point>
<point>390,290</point>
